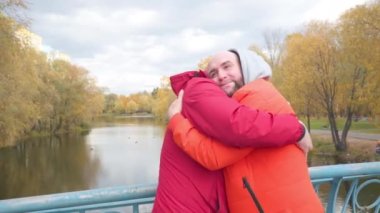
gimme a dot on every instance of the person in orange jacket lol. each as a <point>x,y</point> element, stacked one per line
<point>256,179</point>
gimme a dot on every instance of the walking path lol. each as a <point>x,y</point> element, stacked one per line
<point>351,134</point>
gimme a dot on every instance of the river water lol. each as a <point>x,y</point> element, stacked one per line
<point>121,152</point>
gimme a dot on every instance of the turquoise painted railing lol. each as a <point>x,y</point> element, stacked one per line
<point>119,199</point>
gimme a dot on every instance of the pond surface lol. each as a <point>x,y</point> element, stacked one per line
<point>123,152</point>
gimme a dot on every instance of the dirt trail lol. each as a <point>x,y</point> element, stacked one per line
<point>351,134</point>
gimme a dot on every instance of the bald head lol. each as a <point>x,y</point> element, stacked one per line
<point>221,56</point>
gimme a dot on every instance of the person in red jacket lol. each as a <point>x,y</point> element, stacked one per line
<point>186,186</point>
<point>279,176</point>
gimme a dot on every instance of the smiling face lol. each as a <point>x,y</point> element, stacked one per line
<point>224,69</point>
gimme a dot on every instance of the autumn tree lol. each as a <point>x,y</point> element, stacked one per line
<point>132,107</point>
<point>296,80</point>
<point>78,96</point>
<point>121,104</point>
<point>94,99</point>
<point>162,97</point>
<point>19,82</point>
<point>321,62</point>
<point>110,101</point>
<point>143,101</point>
<point>318,64</point>
<point>38,95</point>
<point>359,31</point>
<point>13,9</point>
<point>203,63</point>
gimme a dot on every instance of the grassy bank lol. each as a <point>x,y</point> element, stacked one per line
<point>362,125</point>
<point>358,151</point>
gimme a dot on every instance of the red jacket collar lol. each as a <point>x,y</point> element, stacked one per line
<point>179,81</point>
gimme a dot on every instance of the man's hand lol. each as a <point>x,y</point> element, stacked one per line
<point>305,143</point>
<point>176,106</point>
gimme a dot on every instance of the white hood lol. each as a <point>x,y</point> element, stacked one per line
<point>253,66</point>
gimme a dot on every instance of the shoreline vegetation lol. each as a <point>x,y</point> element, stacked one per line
<point>85,127</point>
<point>359,150</point>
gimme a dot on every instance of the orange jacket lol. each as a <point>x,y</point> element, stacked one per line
<point>278,176</point>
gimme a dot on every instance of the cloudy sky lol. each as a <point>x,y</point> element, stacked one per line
<point>128,45</point>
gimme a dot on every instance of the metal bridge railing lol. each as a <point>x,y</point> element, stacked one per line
<point>357,176</point>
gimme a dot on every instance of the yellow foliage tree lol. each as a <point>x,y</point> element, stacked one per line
<point>202,65</point>
<point>359,30</point>
<point>132,107</point>
<point>323,67</point>
<point>162,97</point>
<point>19,84</point>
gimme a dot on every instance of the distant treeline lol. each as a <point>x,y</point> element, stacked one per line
<point>155,103</point>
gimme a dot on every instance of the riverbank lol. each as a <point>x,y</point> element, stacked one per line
<point>83,128</point>
<point>359,150</point>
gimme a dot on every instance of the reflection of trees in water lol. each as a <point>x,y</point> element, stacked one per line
<point>47,165</point>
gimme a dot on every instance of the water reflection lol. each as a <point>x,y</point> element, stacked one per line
<point>120,152</point>
<point>130,153</point>
<point>46,165</point>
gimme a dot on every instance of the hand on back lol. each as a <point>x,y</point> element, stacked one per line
<point>176,106</point>
<point>305,144</point>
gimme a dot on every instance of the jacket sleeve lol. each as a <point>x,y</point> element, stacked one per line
<point>223,118</point>
<point>208,152</point>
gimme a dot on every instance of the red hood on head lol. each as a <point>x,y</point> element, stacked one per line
<point>179,81</point>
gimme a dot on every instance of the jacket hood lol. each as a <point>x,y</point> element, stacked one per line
<point>253,66</point>
<point>179,81</point>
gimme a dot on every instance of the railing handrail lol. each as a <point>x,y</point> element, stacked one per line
<point>138,194</point>
<point>78,198</point>
<point>342,170</point>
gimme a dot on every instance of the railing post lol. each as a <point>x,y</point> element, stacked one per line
<point>350,196</point>
<point>135,208</point>
<point>333,194</point>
